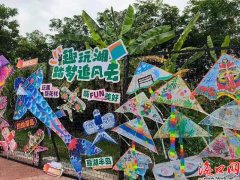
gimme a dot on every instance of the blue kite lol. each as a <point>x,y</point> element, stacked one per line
<point>29,98</point>
<point>98,125</point>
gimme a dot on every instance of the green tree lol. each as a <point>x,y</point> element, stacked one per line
<point>8,31</point>
<point>218,19</point>
<point>34,45</point>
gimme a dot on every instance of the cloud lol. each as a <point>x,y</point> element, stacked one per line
<point>36,14</point>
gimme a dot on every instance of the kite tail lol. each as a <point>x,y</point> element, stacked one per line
<point>173,121</point>
<point>78,147</point>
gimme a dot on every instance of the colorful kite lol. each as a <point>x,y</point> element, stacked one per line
<point>171,170</point>
<point>147,75</point>
<point>33,144</point>
<point>137,131</point>
<point>5,71</point>
<point>176,92</point>
<point>184,127</point>
<point>73,102</point>
<point>133,163</point>
<point>9,144</point>
<point>222,79</point>
<point>144,108</point>
<point>226,146</point>
<point>29,98</point>
<point>99,124</point>
<point>3,105</point>
<point>226,116</point>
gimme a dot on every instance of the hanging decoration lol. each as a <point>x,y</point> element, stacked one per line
<point>3,105</point>
<point>146,75</point>
<point>221,80</point>
<point>137,131</point>
<point>8,144</point>
<point>33,145</point>
<point>133,164</point>
<point>72,102</point>
<point>226,116</point>
<point>5,71</point>
<point>144,108</point>
<point>88,64</point>
<point>226,145</point>
<point>101,95</point>
<point>98,125</point>
<point>176,92</point>
<point>191,129</point>
<point>29,98</point>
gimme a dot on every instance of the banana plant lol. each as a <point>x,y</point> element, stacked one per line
<point>170,65</point>
<point>143,43</point>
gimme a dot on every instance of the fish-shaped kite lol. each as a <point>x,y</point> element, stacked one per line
<point>72,102</point>
<point>5,71</point>
<point>223,79</point>
<point>29,98</point>
<point>99,124</point>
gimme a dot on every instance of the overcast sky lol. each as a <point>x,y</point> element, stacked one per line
<point>36,14</point>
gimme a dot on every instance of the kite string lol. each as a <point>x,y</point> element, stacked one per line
<point>124,140</point>
<point>126,116</point>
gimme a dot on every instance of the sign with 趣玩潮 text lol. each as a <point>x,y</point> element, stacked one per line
<point>26,123</point>
<point>89,64</point>
<point>101,95</point>
<point>49,91</point>
<point>99,163</point>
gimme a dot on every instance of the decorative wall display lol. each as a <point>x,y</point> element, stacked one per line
<point>101,95</point>
<point>5,71</point>
<point>99,124</point>
<point>27,63</point>
<point>89,64</point>
<point>222,79</point>
<point>133,163</point>
<point>226,116</point>
<point>226,145</point>
<point>49,91</point>
<point>184,127</point>
<point>72,102</point>
<point>137,131</point>
<point>140,105</point>
<point>8,144</point>
<point>171,170</point>
<point>99,163</point>
<point>39,107</point>
<point>53,169</point>
<point>26,123</point>
<point>147,75</point>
